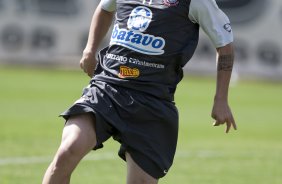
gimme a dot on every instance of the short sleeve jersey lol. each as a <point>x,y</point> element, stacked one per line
<point>152,40</point>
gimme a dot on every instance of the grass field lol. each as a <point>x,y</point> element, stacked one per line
<point>30,131</point>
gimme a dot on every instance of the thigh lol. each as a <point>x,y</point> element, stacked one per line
<point>135,175</point>
<point>79,135</point>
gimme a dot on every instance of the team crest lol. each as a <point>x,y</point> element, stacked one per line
<point>171,2</point>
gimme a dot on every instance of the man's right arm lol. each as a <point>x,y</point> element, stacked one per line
<point>100,24</point>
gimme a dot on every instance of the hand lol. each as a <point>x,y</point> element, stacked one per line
<point>222,114</point>
<point>88,63</point>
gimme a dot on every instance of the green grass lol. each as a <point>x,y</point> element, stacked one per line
<point>31,100</point>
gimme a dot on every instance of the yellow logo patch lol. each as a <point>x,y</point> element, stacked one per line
<point>126,72</point>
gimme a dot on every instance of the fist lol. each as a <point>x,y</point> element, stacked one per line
<point>88,63</point>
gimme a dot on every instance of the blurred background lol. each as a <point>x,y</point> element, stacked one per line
<point>41,42</point>
<point>54,32</point>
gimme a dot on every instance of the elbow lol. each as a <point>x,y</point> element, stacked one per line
<point>225,58</point>
<point>226,50</point>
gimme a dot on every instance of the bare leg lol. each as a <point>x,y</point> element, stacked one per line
<point>135,175</point>
<point>78,139</point>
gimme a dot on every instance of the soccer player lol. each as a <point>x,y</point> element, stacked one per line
<point>131,93</point>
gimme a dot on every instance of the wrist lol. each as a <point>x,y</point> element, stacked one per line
<point>89,49</point>
<point>221,98</point>
<point>88,52</point>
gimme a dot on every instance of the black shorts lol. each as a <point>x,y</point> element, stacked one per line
<point>146,127</point>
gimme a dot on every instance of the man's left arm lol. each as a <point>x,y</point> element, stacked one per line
<point>217,26</point>
<point>221,111</point>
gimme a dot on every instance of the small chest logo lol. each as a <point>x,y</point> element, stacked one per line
<point>126,72</point>
<point>139,19</point>
<point>171,2</point>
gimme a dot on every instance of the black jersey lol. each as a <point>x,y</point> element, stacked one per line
<point>150,43</point>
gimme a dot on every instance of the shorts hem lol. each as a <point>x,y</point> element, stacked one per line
<point>77,109</point>
<point>145,163</point>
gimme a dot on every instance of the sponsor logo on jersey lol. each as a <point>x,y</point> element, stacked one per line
<point>133,38</point>
<point>139,18</point>
<point>227,27</point>
<point>127,72</point>
<point>171,2</point>
<point>121,59</point>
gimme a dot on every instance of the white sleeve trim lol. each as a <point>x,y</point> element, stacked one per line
<point>212,20</point>
<point>108,5</point>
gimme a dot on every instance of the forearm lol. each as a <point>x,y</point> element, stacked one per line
<point>100,24</point>
<point>225,60</point>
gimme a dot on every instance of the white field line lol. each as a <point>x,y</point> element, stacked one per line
<point>97,156</point>
<point>46,159</point>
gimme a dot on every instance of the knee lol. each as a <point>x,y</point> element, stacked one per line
<point>67,154</point>
<point>66,159</point>
<point>142,180</point>
<point>138,181</point>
